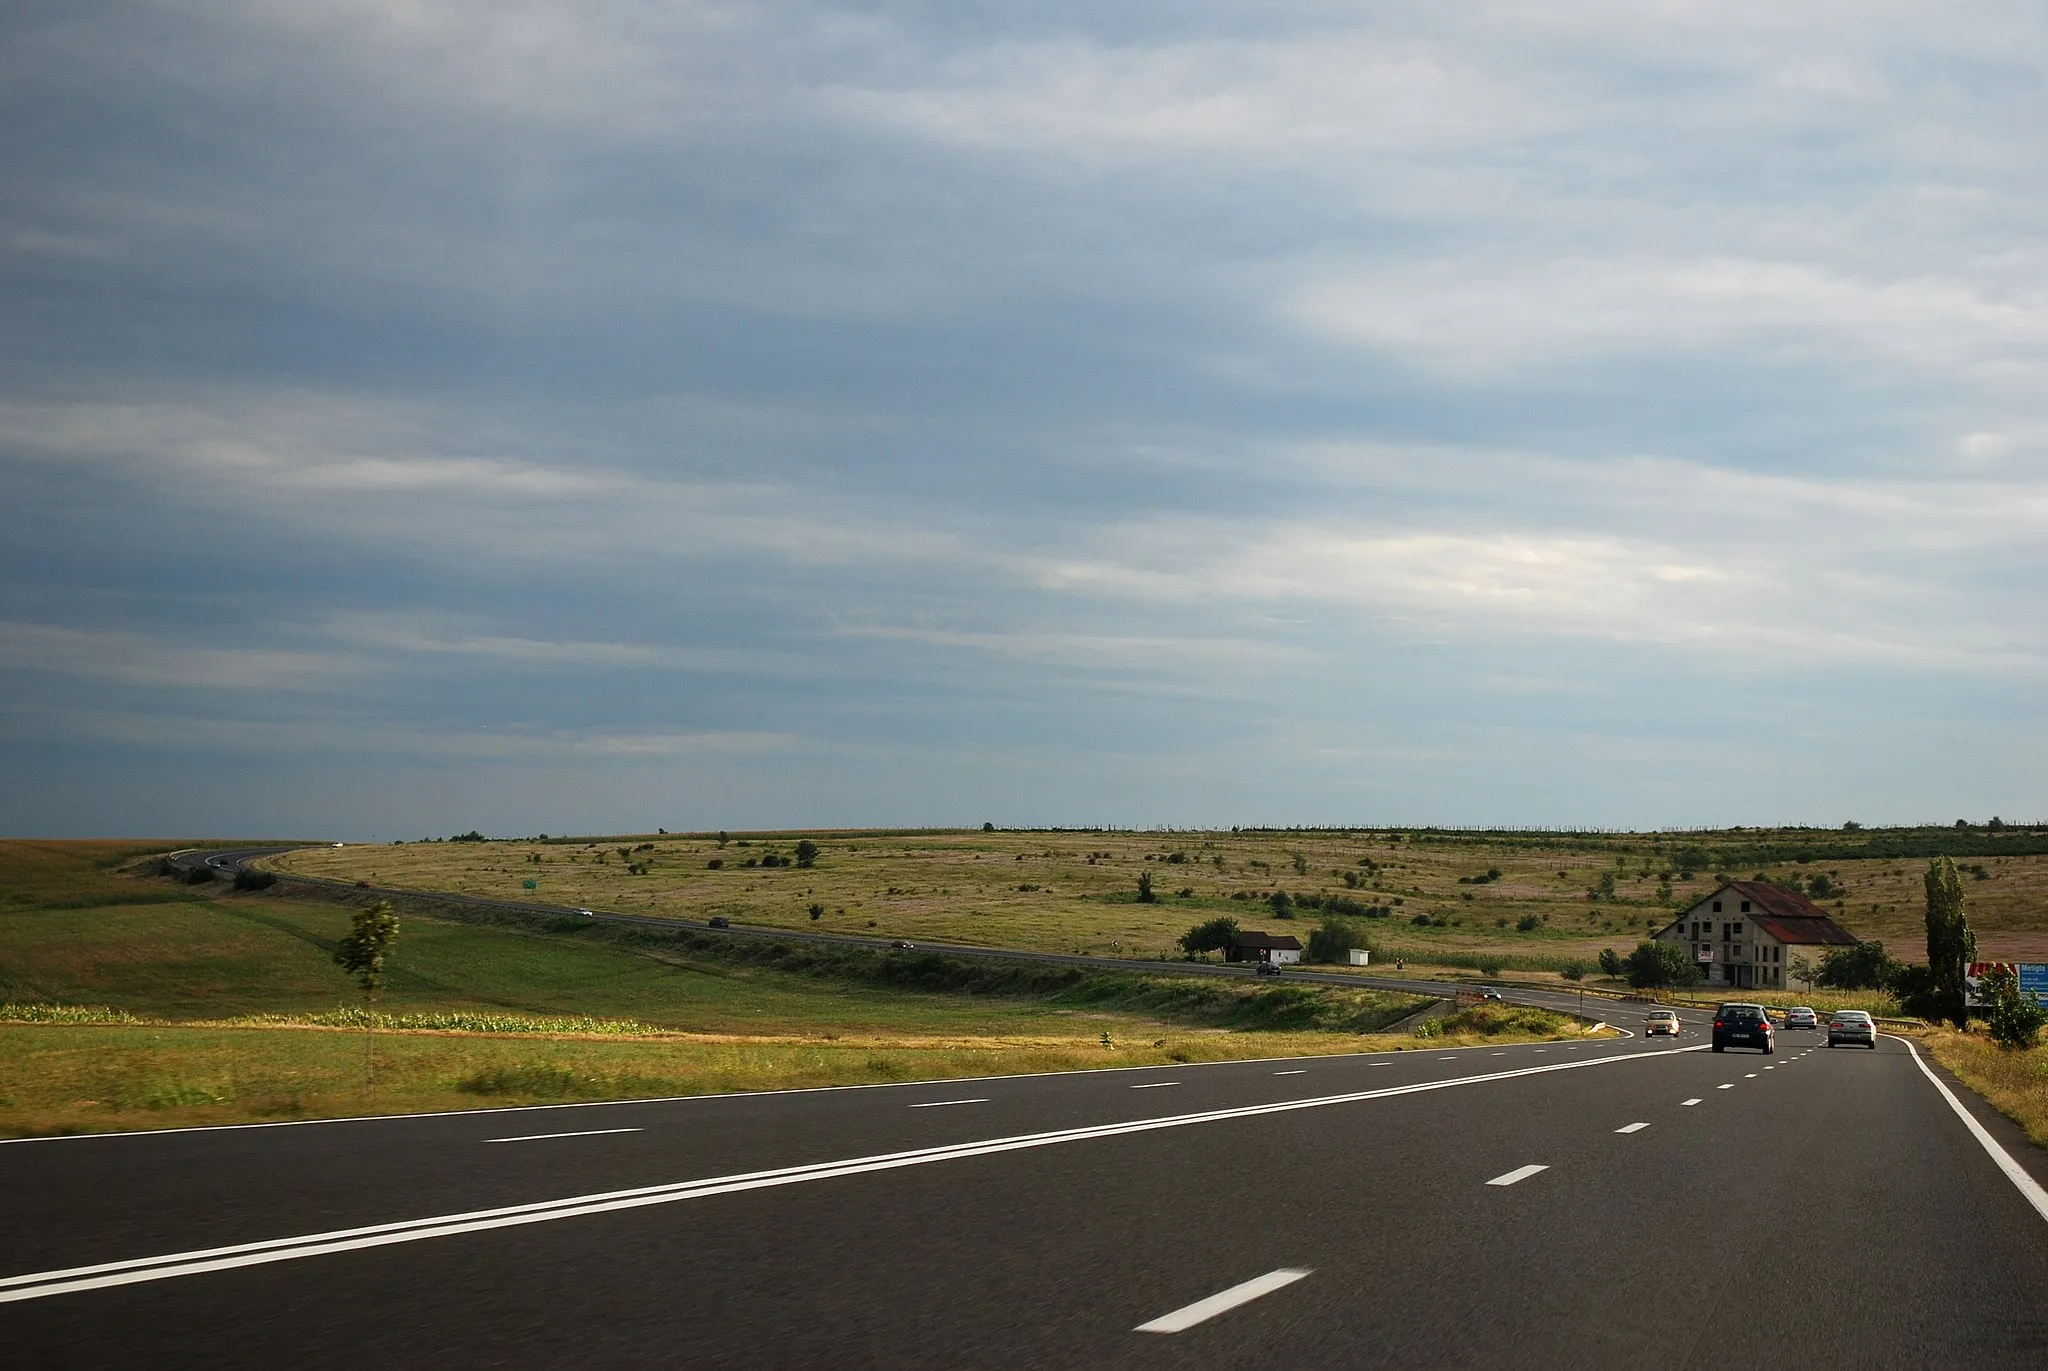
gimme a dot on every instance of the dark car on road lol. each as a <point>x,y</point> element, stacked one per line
<point>1852,1026</point>
<point>1268,968</point>
<point>1742,1025</point>
<point>718,921</point>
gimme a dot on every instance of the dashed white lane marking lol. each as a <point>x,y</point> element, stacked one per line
<point>1632,1128</point>
<point>1155,1085</point>
<point>585,1133</point>
<point>1497,1054</point>
<point>1298,1071</point>
<point>1448,1057</point>
<point>1728,1086</point>
<point>1683,1103</point>
<point>941,1104</point>
<point>36,1285</point>
<point>1520,1173</point>
<point>1222,1302</point>
<point>1750,1076</point>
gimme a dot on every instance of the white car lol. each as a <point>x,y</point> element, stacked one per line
<point>1800,1016</point>
<point>586,913</point>
<point>1852,1026</point>
<point>1660,1021</point>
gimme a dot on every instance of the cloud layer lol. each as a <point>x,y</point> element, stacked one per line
<point>619,414</point>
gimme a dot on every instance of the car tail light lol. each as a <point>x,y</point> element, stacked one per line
<point>1717,1023</point>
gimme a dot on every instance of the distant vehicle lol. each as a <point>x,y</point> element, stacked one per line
<point>1800,1016</point>
<point>588,914</point>
<point>1490,993</point>
<point>337,844</point>
<point>904,943</point>
<point>719,921</point>
<point>1852,1026</point>
<point>1742,1025</point>
<point>362,885</point>
<point>1660,1021</point>
<point>1268,968</point>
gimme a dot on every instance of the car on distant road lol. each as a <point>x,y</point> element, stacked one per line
<point>718,921</point>
<point>1660,1021</point>
<point>1268,968</point>
<point>903,943</point>
<point>1852,1026</point>
<point>586,913</point>
<point>1800,1016</point>
<point>1742,1025</point>
<point>362,885</point>
<point>1490,993</point>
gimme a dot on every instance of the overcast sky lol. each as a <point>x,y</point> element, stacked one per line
<point>603,415</point>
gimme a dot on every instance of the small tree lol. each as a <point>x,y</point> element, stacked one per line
<point>1610,962</point>
<point>1655,965</point>
<point>817,912</point>
<point>806,852</point>
<point>1145,895</point>
<point>1283,906</point>
<point>1333,940</point>
<point>1951,946</point>
<point>1217,935</point>
<point>1866,966</point>
<point>361,954</point>
<point>2015,1017</point>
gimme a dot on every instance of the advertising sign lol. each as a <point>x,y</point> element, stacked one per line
<point>2033,980</point>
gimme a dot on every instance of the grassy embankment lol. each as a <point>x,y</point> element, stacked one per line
<point>1075,891</point>
<point>204,1006</point>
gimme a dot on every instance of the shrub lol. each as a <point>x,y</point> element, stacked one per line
<point>2015,1018</point>
<point>198,875</point>
<point>1333,940</point>
<point>470,837</point>
<point>1283,907</point>
<point>1145,895</point>
<point>1610,962</point>
<point>817,912</point>
<point>806,852</point>
<point>1489,968</point>
<point>1528,923</point>
<point>1574,971</point>
<point>715,864</point>
<point>1420,921</point>
<point>255,880</point>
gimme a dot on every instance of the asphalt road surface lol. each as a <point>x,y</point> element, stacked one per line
<point>1621,1203</point>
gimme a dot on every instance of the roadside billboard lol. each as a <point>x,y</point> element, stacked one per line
<point>2033,980</point>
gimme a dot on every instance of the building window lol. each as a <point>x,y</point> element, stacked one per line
<point>1745,906</point>
<point>1717,906</point>
<point>1737,926</point>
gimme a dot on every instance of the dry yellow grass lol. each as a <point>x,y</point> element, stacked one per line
<point>1074,891</point>
<point>58,1079</point>
<point>2016,1083</point>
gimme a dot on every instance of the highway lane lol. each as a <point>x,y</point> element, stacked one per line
<point>1691,1240</point>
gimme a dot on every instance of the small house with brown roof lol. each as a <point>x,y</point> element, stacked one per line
<point>1277,948</point>
<point>1744,935</point>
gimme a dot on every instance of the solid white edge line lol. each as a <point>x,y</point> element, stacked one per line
<point>1222,1301</point>
<point>1519,1174</point>
<point>41,1283</point>
<point>2014,1172</point>
<point>584,1133</point>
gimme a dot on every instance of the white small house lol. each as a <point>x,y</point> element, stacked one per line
<point>1278,949</point>
<point>1361,956</point>
<point>1745,935</point>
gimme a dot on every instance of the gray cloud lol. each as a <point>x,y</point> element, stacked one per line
<point>903,414</point>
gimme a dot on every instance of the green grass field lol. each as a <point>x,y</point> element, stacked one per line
<point>227,996</point>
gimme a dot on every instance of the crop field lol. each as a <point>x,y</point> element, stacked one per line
<point>1526,902</point>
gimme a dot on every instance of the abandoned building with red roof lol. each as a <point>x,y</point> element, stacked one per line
<point>1744,935</point>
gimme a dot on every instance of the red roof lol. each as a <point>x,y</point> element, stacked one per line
<point>1787,915</point>
<point>1285,942</point>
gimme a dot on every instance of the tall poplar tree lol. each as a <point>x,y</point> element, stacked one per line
<point>1951,946</point>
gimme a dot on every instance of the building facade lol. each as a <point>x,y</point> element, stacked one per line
<point>1745,935</point>
<point>1279,948</point>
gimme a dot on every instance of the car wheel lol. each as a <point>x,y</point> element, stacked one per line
<point>1769,1050</point>
<point>1717,1047</point>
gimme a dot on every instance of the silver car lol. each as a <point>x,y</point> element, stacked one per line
<point>1799,1016</point>
<point>1851,1026</point>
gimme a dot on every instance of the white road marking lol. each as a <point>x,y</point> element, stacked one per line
<point>1750,1077</point>
<point>102,1275</point>
<point>1683,1103</point>
<point>1298,1071</point>
<point>1155,1085</point>
<point>1499,1054</point>
<point>1448,1057</point>
<point>1632,1128</point>
<point>2025,1184</point>
<point>1222,1302</point>
<point>586,1133</point>
<point>1520,1173</point>
<point>941,1104</point>
<point>1729,1086</point>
